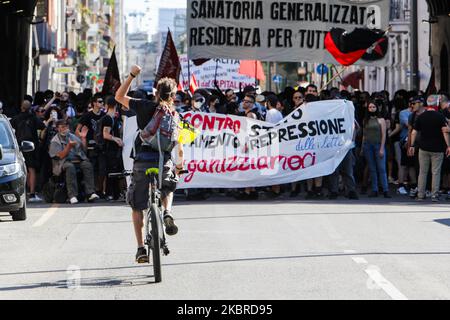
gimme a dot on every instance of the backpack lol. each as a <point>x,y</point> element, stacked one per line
<point>98,135</point>
<point>24,130</point>
<point>161,133</point>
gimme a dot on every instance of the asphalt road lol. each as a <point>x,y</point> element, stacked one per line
<point>225,249</point>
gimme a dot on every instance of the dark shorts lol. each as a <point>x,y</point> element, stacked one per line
<point>32,159</point>
<point>137,195</point>
<point>109,162</point>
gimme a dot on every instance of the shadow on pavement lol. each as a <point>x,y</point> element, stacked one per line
<point>87,283</point>
<point>337,255</point>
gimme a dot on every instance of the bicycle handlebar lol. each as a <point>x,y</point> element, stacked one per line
<point>129,173</point>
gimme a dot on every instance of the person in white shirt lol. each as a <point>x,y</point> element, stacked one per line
<point>273,115</point>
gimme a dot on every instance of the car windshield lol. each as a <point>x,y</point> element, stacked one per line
<point>5,136</point>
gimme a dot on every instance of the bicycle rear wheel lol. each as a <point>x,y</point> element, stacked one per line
<point>156,239</point>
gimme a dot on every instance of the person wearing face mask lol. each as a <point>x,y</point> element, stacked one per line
<point>198,103</point>
<point>179,104</point>
<point>68,153</point>
<point>374,148</point>
<point>214,105</point>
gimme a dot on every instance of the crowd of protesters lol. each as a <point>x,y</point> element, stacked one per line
<point>402,141</point>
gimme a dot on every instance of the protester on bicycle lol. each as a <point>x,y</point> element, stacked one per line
<point>145,157</point>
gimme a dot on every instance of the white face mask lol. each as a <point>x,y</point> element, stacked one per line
<point>198,105</point>
<point>64,133</point>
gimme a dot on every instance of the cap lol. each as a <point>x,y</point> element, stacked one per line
<point>260,98</point>
<point>417,99</point>
<point>249,89</point>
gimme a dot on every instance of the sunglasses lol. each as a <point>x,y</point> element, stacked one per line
<point>99,101</point>
<point>298,98</point>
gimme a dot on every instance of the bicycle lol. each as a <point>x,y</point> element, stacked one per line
<point>154,220</point>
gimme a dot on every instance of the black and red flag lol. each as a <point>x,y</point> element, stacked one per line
<point>169,65</point>
<point>349,47</point>
<point>112,78</point>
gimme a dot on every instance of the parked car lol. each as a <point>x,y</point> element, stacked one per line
<point>13,172</point>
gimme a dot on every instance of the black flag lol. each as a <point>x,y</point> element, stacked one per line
<point>169,65</point>
<point>112,77</point>
<point>349,47</point>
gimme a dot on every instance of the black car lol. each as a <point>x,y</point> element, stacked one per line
<point>13,172</point>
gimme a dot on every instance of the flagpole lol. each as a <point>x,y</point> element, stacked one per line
<point>256,73</point>
<point>189,75</point>
<point>335,76</point>
<point>215,73</point>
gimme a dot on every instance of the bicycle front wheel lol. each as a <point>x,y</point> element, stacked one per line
<point>156,236</point>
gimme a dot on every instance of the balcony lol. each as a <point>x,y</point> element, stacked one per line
<point>46,39</point>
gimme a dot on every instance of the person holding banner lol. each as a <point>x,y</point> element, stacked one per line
<point>146,157</point>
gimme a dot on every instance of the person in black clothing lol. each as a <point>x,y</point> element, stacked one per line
<point>110,151</point>
<point>90,121</point>
<point>26,126</point>
<point>145,157</point>
<point>433,143</point>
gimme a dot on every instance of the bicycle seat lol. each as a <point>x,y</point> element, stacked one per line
<point>151,171</point>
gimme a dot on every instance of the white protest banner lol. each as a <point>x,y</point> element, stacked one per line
<point>225,71</point>
<point>238,152</point>
<point>273,30</point>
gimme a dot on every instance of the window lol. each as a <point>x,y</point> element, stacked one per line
<point>5,136</point>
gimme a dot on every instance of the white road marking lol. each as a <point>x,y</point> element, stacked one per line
<point>360,260</point>
<point>47,215</point>
<point>384,284</point>
<point>349,251</point>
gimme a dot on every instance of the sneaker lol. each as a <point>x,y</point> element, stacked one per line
<point>428,194</point>
<point>141,255</point>
<point>35,198</point>
<point>171,228</point>
<point>93,197</point>
<point>420,199</point>
<point>352,195</point>
<point>413,193</point>
<point>391,180</point>
<point>73,200</point>
<point>402,191</point>
<point>435,198</point>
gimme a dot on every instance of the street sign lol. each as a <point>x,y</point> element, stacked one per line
<point>64,70</point>
<point>277,78</point>
<point>322,69</point>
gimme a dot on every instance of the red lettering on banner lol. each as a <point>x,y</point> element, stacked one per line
<point>211,123</point>
<point>243,164</point>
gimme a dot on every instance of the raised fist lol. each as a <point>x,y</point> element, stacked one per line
<point>136,70</point>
